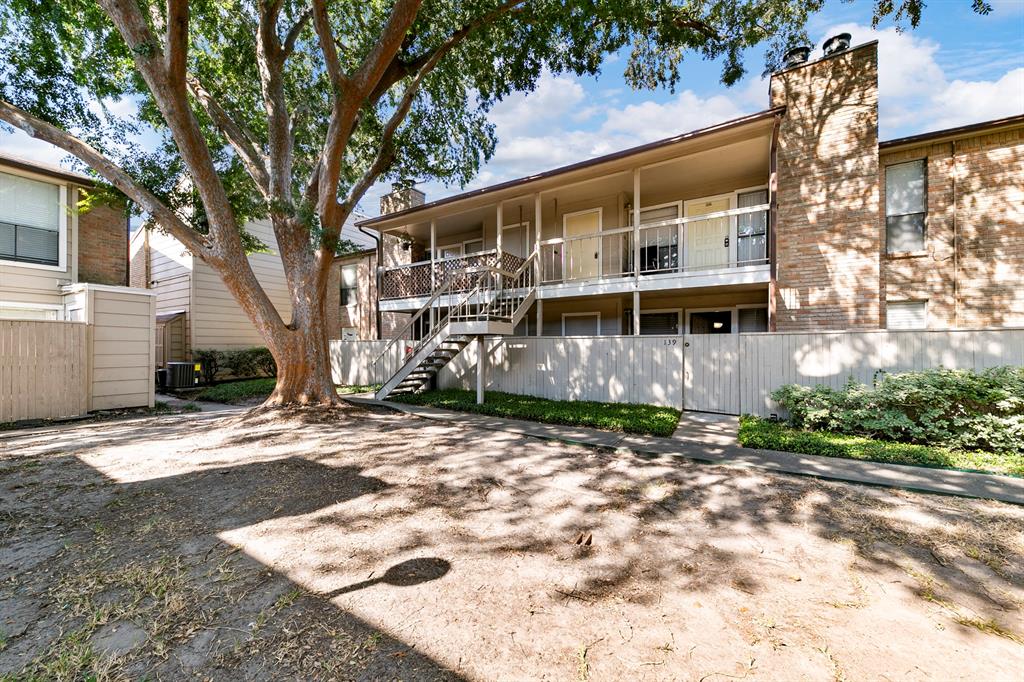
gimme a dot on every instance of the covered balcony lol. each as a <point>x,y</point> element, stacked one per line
<point>691,213</point>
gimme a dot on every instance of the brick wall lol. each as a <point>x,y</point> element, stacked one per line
<point>971,271</point>
<point>103,244</point>
<point>827,241</point>
<point>138,265</point>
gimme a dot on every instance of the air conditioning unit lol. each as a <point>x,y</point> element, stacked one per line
<point>181,375</point>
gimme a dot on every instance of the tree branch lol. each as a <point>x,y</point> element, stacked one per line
<point>177,42</point>
<point>270,58</point>
<point>295,31</point>
<point>111,172</point>
<point>241,140</point>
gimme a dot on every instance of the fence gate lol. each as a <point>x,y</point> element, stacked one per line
<point>711,373</point>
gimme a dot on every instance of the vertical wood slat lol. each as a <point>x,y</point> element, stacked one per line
<point>41,364</point>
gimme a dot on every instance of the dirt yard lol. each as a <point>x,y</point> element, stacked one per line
<point>377,546</point>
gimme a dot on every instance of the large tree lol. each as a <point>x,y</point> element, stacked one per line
<point>291,109</point>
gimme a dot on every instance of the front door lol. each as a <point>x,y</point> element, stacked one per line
<point>582,255</point>
<point>707,240</point>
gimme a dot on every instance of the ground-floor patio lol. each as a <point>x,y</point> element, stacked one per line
<point>382,546</point>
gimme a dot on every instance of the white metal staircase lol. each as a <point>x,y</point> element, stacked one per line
<point>493,306</point>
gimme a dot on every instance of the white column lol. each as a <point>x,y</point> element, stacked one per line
<point>501,225</point>
<point>636,312</point>
<point>433,253</point>
<point>636,224</point>
<point>536,239</point>
<point>481,368</point>
<point>540,317</point>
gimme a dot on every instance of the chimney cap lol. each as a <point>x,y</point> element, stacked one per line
<point>837,43</point>
<point>795,56</point>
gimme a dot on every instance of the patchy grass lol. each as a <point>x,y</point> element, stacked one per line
<point>643,419</point>
<point>238,392</point>
<point>761,433</point>
<point>350,390</point>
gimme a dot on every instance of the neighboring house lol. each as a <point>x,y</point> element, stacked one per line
<point>195,310</point>
<point>47,243</point>
<point>74,337</point>
<point>795,218</point>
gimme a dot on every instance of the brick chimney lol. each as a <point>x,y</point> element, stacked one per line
<point>401,198</point>
<point>827,239</point>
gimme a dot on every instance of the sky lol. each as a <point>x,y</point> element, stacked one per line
<point>956,68</point>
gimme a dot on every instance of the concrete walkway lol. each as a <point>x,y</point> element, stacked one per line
<point>712,438</point>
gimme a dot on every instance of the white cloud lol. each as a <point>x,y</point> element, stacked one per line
<point>917,95</point>
<point>22,146</point>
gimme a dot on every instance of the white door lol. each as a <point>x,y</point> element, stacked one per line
<point>513,240</point>
<point>707,241</point>
<point>710,373</point>
<point>582,255</point>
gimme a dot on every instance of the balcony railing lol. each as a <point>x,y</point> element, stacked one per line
<point>692,245</point>
<point>414,279</point>
<point>664,247</point>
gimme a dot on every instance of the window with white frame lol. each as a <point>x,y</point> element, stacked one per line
<point>30,220</point>
<point>752,228</point>
<point>906,315</point>
<point>349,284</point>
<point>29,311</point>
<point>906,207</point>
<point>581,324</point>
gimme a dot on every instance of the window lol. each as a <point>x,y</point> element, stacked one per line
<point>30,220</point>
<point>474,246</point>
<point>28,311</point>
<point>752,228</point>
<point>711,322</point>
<point>659,246</point>
<point>449,251</point>
<point>753,319</point>
<point>907,315</point>
<point>349,284</point>
<point>581,324</point>
<point>905,207</point>
<point>659,323</point>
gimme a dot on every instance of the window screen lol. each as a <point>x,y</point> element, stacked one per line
<point>752,228</point>
<point>30,218</point>
<point>753,319</point>
<point>907,315</point>
<point>659,323</point>
<point>905,206</point>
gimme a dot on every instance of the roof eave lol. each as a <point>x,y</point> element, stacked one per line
<point>581,165</point>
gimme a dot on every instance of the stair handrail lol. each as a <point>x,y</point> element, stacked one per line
<point>489,274</point>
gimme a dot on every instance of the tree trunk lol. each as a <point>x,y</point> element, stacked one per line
<point>303,364</point>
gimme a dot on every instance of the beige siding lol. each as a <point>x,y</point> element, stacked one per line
<point>171,268</point>
<point>43,370</point>
<point>216,318</point>
<point>123,347</point>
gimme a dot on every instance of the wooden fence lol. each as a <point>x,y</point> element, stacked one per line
<point>731,374</point>
<point>44,368</point>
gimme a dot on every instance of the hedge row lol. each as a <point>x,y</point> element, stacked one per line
<point>958,409</point>
<point>249,362</point>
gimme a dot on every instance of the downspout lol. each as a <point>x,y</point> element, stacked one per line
<point>773,187</point>
<point>956,246</point>
<point>128,243</point>
<point>376,274</point>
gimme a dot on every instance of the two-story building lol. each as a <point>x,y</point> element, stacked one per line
<point>794,218</point>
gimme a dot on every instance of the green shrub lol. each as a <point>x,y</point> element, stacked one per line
<point>248,362</point>
<point>210,363</point>
<point>959,409</point>
<point>767,435</point>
